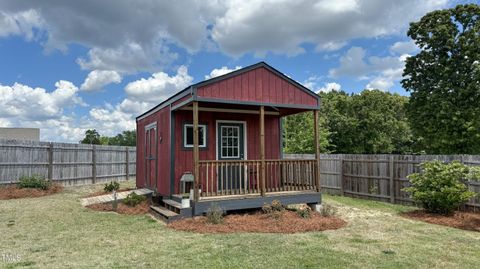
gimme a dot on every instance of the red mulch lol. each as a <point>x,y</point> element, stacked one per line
<point>462,220</point>
<point>98,193</point>
<point>13,192</point>
<point>289,222</point>
<point>141,208</point>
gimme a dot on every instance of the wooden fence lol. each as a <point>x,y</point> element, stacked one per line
<point>379,177</point>
<point>69,164</point>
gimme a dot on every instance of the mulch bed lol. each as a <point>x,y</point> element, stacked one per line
<point>141,208</point>
<point>98,193</point>
<point>289,222</point>
<point>462,220</point>
<point>13,192</point>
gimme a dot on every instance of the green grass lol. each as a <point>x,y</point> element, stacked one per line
<point>55,232</point>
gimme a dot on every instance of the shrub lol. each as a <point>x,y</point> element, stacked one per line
<point>112,186</point>
<point>215,214</point>
<point>304,211</point>
<point>438,188</point>
<point>328,210</point>
<point>267,208</point>
<point>133,199</point>
<point>34,182</point>
<point>277,206</point>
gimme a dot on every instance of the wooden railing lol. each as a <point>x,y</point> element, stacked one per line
<point>243,177</point>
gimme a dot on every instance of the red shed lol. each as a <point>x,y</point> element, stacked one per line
<point>225,135</point>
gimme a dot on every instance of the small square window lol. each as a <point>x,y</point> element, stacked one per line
<point>188,136</point>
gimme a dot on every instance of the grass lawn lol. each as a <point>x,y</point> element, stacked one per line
<point>55,231</point>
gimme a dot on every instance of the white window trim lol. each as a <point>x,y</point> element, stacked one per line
<point>245,156</point>
<point>204,145</point>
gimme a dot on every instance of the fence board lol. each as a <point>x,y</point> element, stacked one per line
<point>381,176</point>
<point>69,164</point>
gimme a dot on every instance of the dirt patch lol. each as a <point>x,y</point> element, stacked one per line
<point>13,192</point>
<point>98,193</point>
<point>462,220</point>
<point>141,208</point>
<point>288,222</point>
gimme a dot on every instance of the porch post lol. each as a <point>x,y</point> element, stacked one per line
<point>262,149</point>
<point>196,171</point>
<point>317,149</point>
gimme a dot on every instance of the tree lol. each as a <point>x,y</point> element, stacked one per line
<point>91,137</point>
<point>444,80</point>
<point>298,135</point>
<point>370,122</point>
<point>126,138</point>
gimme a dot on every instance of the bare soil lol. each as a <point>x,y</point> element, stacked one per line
<point>462,220</point>
<point>98,193</point>
<point>13,192</point>
<point>288,222</point>
<point>141,208</point>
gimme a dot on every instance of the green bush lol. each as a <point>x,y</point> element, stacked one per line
<point>34,182</point>
<point>215,214</point>
<point>304,211</point>
<point>327,210</point>
<point>133,199</point>
<point>277,206</point>
<point>439,187</point>
<point>267,208</point>
<point>112,186</point>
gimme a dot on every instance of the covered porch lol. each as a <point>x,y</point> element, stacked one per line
<point>237,177</point>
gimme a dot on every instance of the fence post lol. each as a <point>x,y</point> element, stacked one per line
<point>50,161</point>
<point>94,164</point>
<point>127,168</point>
<point>342,188</point>
<point>392,182</point>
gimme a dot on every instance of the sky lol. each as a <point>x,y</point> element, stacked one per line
<point>69,66</point>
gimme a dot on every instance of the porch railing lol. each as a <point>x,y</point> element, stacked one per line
<point>243,177</point>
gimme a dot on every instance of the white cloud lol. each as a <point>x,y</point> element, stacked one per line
<point>97,79</point>
<point>313,81</point>
<point>20,23</point>
<point>404,47</point>
<point>284,26</point>
<point>159,86</point>
<point>382,72</point>
<point>328,87</point>
<point>23,102</point>
<point>131,36</point>
<point>221,71</point>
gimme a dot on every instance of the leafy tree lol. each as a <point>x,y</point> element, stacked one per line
<point>91,137</point>
<point>444,80</point>
<point>298,135</point>
<point>370,122</point>
<point>126,138</point>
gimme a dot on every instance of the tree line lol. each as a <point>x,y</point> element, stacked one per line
<point>126,138</point>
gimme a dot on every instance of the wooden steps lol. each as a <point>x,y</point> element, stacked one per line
<point>163,213</point>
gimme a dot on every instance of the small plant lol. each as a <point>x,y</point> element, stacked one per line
<point>215,214</point>
<point>133,199</point>
<point>33,182</point>
<point>304,211</point>
<point>438,188</point>
<point>112,186</point>
<point>267,208</point>
<point>277,206</point>
<point>327,210</point>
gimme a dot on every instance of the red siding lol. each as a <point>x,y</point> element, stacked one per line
<point>179,101</point>
<point>258,85</point>
<point>162,117</point>
<point>184,157</point>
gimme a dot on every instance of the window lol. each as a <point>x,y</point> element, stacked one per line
<point>230,147</point>
<point>188,136</point>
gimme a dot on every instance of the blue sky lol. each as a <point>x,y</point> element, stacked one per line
<point>67,66</point>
